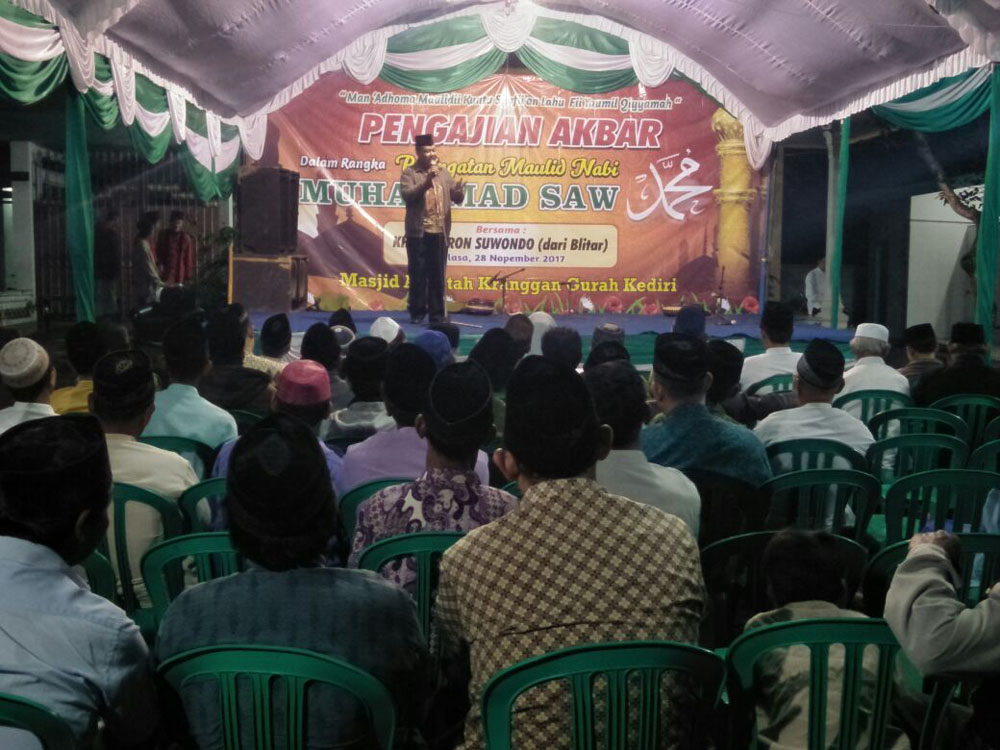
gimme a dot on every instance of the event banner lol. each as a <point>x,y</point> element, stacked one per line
<point>623,202</point>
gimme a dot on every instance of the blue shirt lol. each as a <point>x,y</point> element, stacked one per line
<point>181,412</point>
<point>691,438</point>
<point>69,649</point>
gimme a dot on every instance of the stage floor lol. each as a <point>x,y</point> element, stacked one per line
<point>640,330</point>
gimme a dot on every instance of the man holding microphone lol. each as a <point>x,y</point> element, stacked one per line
<point>428,191</point>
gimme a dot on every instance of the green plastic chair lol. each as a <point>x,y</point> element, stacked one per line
<point>871,402</point>
<point>985,547</point>
<point>985,457</point>
<point>976,411</point>
<point>736,587</point>
<point>946,496</point>
<point>245,419</point>
<point>818,635</point>
<point>51,731</point>
<point>910,454</point>
<point>351,501</point>
<point>246,674</point>
<point>200,456</point>
<point>625,665</point>
<point>729,506</point>
<point>426,547</point>
<point>214,557</point>
<point>101,576</point>
<point>173,525</point>
<point>513,488</point>
<point>808,453</point>
<point>992,431</point>
<point>805,499</point>
<point>773,384</point>
<point>912,420</point>
<point>192,497</point>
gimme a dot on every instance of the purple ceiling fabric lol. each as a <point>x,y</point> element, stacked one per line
<point>778,57</point>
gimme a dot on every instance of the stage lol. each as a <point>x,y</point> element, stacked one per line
<point>640,330</point>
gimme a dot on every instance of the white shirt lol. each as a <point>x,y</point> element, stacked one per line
<point>23,411</point>
<point>70,650</point>
<point>777,360</point>
<point>628,473</point>
<point>872,374</point>
<point>815,421</point>
<point>815,289</point>
<point>165,473</point>
<point>181,412</point>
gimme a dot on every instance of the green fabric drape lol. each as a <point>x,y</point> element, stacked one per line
<point>445,79</point>
<point>79,207</point>
<point>955,114</point>
<point>572,34</point>
<point>104,109</point>
<point>574,79</point>
<point>459,30</point>
<point>838,235</point>
<point>27,82</point>
<point>208,185</point>
<point>989,231</point>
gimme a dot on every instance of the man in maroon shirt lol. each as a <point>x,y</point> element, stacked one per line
<point>175,251</point>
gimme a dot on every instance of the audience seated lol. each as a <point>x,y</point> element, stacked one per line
<point>456,417</point>
<point>123,402</point>
<point>541,323</point>
<point>70,650</point>
<point>364,369</point>
<point>619,395</point>
<point>282,512</point>
<point>450,330</point>
<point>921,353</point>
<point>7,335</point>
<point>82,350</point>
<point>520,328</point>
<point>275,346</point>
<point>689,437</point>
<point>776,327</point>
<point>607,332</point>
<point>230,385</point>
<point>388,330</point>
<point>563,346</point>
<point>496,352</point>
<point>436,344</point>
<point>560,569</point>
<point>342,317</point>
<point>968,370</point>
<point>320,345</point>
<point>870,373</point>
<point>690,321</point>
<point>30,376</point>
<point>725,363</point>
<point>180,411</point>
<point>940,634</point>
<point>401,452</point>
<point>606,351</point>
<point>345,336</point>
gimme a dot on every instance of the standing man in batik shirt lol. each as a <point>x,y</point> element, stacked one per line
<point>428,191</point>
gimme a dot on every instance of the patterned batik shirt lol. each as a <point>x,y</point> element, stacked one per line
<point>440,500</point>
<point>571,565</point>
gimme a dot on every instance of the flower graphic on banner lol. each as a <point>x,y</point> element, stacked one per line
<point>613,305</point>
<point>651,308</point>
<point>750,305</point>
<point>655,190</point>
<point>587,305</point>
<point>513,306</point>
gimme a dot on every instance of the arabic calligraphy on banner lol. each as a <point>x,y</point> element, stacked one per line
<point>612,203</point>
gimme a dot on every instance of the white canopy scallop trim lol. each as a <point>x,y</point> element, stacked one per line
<point>509,28</point>
<point>976,21</point>
<point>124,79</point>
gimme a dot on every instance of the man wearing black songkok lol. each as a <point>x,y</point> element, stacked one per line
<point>921,353</point>
<point>455,419</point>
<point>497,353</point>
<point>68,649</point>
<point>281,512</point>
<point>560,570</point>
<point>364,370</point>
<point>968,369</point>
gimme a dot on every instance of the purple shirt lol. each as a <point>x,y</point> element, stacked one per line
<point>393,453</point>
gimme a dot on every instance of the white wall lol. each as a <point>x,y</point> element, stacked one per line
<point>939,291</point>
<point>19,250</point>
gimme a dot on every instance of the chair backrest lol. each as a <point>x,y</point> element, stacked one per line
<point>426,548</point>
<point>902,455</point>
<point>976,411</point>
<point>211,491</point>
<point>101,576</point>
<point>976,576</point>
<point>819,499</point>
<point>245,676</point>
<point>632,673</point>
<point>52,732</point>
<point>813,453</point>
<point>918,420</point>
<point>245,419</point>
<point>736,586</point>
<point>992,430</point>
<point>513,488</point>
<point>773,384</point>
<point>200,456</point>
<point>728,506</point>
<point>352,500</point>
<point>950,499</point>
<point>855,720</point>
<point>986,456</point>
<point>871,402</point>
<point>213,554</point>
<point>170,517</point>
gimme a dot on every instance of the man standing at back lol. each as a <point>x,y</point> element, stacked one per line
<point>428,191</point>
<point>776,326</point>
<point>816,288</point>
<point>571,564</point>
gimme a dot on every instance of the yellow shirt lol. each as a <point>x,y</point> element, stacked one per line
<point>65,400</point>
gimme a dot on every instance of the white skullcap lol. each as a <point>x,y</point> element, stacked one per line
<point>873,331</point>
<point>385,328</point>
<point>22,363</point>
